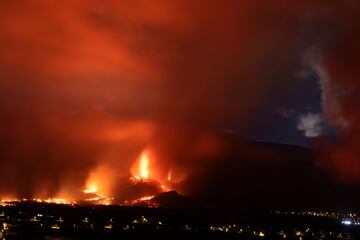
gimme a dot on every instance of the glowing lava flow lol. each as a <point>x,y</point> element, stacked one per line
<point>144,173</point>
<point>143,201</point>
<point>10,202</point>
<point>146,198</point>
<point>94,197</point>
<point>91,189</point>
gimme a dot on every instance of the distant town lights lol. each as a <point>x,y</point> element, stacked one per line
<point>346,222</point>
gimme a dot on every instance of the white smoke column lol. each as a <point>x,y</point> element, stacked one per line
<point>311,124</point>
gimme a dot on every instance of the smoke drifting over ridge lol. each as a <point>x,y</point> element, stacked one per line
<point>342,97</point>
<point>89,85</point>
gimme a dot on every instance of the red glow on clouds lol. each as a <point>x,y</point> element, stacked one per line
<point>342,98</point>
<point>92,92</point>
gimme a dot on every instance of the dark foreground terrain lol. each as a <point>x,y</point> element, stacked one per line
<point>29,220</point>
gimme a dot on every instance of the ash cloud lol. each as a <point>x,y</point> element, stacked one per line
<point>92,83</point>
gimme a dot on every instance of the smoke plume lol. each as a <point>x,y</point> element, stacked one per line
<point>86,86</point>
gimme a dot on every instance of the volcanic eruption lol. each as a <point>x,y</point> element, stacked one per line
<point>119,100</point>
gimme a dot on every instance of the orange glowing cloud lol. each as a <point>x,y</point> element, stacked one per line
<point>86,86</point>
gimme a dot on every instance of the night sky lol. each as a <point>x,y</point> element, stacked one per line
<point>283,115</point>
<point>87,86</point>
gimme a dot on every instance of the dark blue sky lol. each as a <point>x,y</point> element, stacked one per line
<point>279,118</point>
